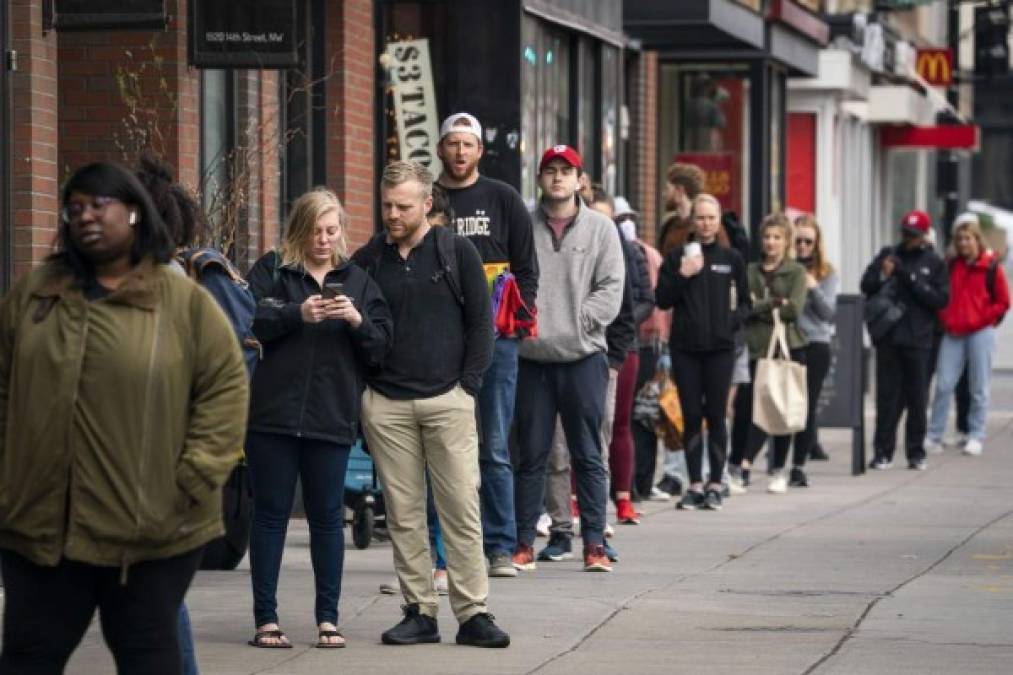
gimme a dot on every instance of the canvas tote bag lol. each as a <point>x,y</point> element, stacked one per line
<point>780,395</point>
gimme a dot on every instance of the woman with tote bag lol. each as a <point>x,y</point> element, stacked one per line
<point>777,287</point>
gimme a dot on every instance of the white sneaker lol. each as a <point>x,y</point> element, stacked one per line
<point>609,531</point>
<point>659,495</point>
<point>441,581</point>
<point>542,528</point>
<point>735,485</point>
<point>973,447</point>
<point>956,441</point>
<point>933,447</point>
<point>778,484</point>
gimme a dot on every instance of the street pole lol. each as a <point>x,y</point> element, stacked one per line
<point>948,180</point>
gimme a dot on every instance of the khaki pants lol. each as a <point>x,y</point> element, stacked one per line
<point>404,438</point>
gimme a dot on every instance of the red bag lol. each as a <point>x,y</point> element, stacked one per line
<point>513,317</point>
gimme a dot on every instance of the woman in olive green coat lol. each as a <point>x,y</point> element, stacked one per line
<point>123,402</point>
<point>776,282</point>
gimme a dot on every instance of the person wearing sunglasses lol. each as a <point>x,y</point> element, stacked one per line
<point>817,325</point>
<point>124,402</point>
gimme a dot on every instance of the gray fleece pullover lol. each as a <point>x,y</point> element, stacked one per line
<point>817,319</point>
<point>580,287</point>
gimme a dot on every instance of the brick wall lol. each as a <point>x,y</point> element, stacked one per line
<point>34,174</point>
<point>101,72</point>
<point>647,165</point>
<point>350,124</point>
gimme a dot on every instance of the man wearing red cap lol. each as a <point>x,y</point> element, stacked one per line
<point>904,286</point>
<point>564,371</point>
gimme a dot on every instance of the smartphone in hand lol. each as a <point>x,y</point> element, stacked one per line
<point>333,289</point>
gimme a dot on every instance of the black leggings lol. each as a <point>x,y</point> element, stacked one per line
<point>757,436</point>
<point>48,609</point>
<point>817,356</point>
<point>703,380</point>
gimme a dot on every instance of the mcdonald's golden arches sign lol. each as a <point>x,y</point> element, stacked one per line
<point>935,66</point>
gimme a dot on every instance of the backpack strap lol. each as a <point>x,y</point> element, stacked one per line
<point>448,256</point>
<point>990,275</point>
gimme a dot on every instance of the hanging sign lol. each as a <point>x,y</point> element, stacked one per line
<point>935,66</point>
<point>83,15</point>
<point>411,79</point>
<point>230,34</point>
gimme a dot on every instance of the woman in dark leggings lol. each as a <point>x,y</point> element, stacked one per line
<point>705,285</point>
<point>817,325</point>
<point>775,283</point>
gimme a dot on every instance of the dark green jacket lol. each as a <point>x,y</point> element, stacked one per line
<point>788,283</point>
<point>120,418</point>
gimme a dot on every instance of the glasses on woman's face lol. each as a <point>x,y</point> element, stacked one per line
<point>73,212</point>
<point>801,241</point>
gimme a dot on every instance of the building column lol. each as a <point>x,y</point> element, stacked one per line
<point>34,168</point>
<point>351,86</point>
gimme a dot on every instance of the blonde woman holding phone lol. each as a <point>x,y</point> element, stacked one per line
<point>704,283</point>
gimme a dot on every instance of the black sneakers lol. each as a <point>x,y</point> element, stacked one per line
<point>670,484</point>
<point>818,454</point>
<point>797,477</point>
<point>712,500</point>
<point>691,501</point>
<point>415,629</point>
<point>480,631</point>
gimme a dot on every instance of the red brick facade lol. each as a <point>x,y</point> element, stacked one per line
<point>34,173</point>
<point>351,112</point>
<point>72,105</point>
<point>646,180</point>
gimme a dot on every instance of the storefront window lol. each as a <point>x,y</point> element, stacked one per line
<point>587,105</point>
<point>705,121</point>
<point>545,101</point>
<point>609,118</point>
<point>217,137</point>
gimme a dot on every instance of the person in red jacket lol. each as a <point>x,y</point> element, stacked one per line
<point>979,297</point>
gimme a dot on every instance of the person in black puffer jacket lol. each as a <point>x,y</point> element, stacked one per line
<point>918,279</point>
<point>323,324</point>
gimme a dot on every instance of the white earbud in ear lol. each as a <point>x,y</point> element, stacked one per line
<point>133,218</point>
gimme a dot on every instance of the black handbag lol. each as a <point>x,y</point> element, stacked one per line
<point>883,310</point>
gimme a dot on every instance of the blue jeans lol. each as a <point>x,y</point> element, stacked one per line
<point>496,408</point>
<point>439,551</point>
<point>186,647</point>
<point>974,350</point>
<point>276,461</point>
<point>575,392</point>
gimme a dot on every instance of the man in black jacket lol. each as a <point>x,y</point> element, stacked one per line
<point>492,215</point>
<point>418,411</point>
<point>915,276</point>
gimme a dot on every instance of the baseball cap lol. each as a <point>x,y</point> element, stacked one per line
<point>966,217</point>
<point>461,122</point>
<point>564,152</point>
<point>917,222</point>
<point>623,208</point>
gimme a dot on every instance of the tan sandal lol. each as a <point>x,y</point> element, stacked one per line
<point>330,645</point>
<point>260,640</point>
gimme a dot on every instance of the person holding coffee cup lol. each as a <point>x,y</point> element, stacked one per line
<point>704,283</point>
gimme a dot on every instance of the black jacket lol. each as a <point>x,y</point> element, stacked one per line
<point>702,315</point>
<point>621,334</point>
<point>461,269</point>
<point>310,380</point>
<point>643,292</point>
<point>922,287</point>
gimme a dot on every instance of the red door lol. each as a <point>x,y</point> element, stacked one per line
<point>801,159</point>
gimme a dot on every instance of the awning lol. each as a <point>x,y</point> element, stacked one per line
<point>839,71</point>
<point>694,26</point>
<point>899,104</point>
<point>946,137</point>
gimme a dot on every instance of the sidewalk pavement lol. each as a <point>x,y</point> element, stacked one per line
<point>891,572</point>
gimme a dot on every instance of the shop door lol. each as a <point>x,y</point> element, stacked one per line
<point>801,160</point>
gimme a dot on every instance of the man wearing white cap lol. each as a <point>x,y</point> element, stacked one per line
<point>492,215</point>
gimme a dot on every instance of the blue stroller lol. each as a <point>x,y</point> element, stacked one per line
<point>362,495</point>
